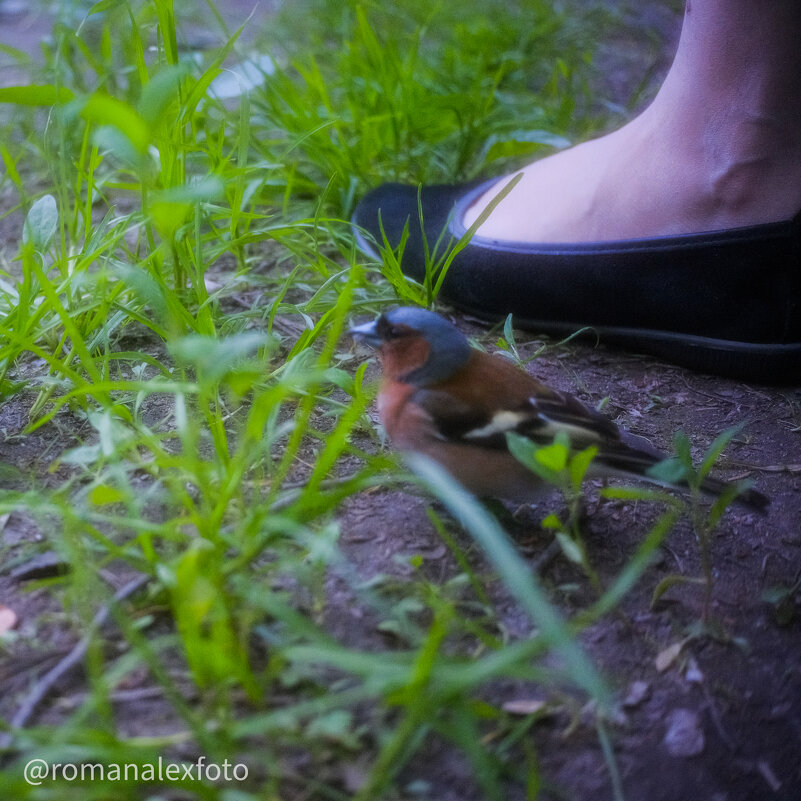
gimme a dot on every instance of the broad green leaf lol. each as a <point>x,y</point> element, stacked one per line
<point>110,138</point>
<point>668,471</point>
<point>160,91</point>
<point>554,457</point>
<point>716,448</point>
<point>169,216</point>
<point>525,451</point>
<point>205,189</point>
<point>170,208</point>
<point>104,494</point>
<point>335,726</point>
<point>212,357</point>
<point>102,109</point>
<point>41,223</point>
<point>580,463</point>
<point>552,522</point>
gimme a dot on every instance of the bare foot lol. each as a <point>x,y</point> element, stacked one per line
<point>719,147</point>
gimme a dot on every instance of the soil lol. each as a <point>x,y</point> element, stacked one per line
<point>708,716</point>
<point>741,688</point>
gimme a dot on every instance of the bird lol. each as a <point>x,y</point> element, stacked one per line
<point>455,404</point>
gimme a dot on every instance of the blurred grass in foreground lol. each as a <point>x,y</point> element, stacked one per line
<point>171,319</point>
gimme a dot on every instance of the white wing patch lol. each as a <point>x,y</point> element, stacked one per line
<point>577,432</point>
<point>500,423</point>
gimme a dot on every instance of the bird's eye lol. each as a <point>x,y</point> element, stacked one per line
<point>394,332</point>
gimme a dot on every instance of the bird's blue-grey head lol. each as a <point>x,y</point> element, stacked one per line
<point>448,348</point>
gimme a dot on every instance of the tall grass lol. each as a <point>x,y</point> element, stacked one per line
<point>172,316</point>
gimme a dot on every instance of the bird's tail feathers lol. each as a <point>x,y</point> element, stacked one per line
<point>636,457</point>
<point>747,496</point>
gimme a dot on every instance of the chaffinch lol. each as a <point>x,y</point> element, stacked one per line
<point>444,399</point>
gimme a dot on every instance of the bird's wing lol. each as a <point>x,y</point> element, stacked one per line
<point>539,418</point>
<point>452,418</point>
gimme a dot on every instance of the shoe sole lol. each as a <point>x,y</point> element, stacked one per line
<point>776,364</point>
<point>747,361</point>
<point>758,362</point>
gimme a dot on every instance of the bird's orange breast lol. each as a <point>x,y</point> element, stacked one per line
<point>401,356</point>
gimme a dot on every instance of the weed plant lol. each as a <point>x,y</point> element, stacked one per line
<point>177,277</point>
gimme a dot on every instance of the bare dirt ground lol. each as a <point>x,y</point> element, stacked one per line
<point>722,720</point>
<point>707,718</point>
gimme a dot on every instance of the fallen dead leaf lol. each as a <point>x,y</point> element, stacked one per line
<point>638,692</point>
<point>524,706</point>
<point>668,656</point>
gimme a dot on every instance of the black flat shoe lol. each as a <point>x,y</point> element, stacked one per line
<point>722,302</point>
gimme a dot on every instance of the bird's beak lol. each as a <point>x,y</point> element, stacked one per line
<point>367,332</point>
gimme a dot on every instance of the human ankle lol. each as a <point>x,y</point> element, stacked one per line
<point>753,169</point>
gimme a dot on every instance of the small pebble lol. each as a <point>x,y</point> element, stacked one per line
<point>684,737</point>
<point>693,673</point>
<point>638,692</point>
